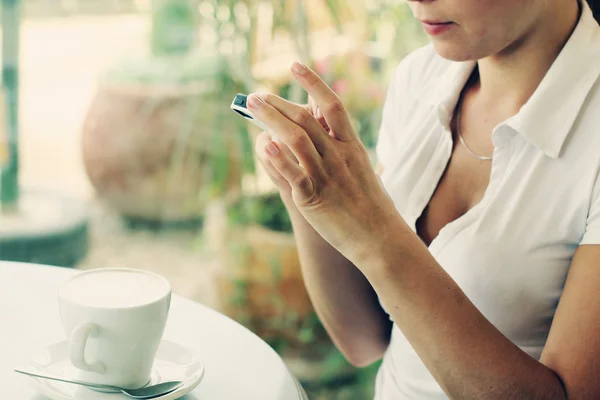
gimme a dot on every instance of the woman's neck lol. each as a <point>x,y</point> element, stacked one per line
<point>512,76</point>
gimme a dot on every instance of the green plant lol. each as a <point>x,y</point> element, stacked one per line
<point>9,102</point>
<point>174,26</point>
<point>295,333</point>
<point>213,42</point>
<point>363,89</point>
<point>268,211</point>
<point>391,25</point>
<point>360,77</point>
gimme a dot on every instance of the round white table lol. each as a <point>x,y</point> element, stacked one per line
<point>239,365</point>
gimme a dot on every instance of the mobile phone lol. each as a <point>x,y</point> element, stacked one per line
<point>239,105</point>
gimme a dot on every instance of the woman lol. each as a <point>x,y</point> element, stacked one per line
<point>472,265</point>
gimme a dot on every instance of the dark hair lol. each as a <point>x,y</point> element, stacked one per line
<point>595,6</point>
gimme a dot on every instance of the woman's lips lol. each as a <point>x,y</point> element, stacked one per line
<point>436,28</point>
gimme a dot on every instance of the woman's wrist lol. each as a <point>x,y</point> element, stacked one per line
<point>394,241</point>
<point>294,213</point>
<point>288,202</point>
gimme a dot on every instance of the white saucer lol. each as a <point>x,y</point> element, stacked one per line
<point>301,391</point>
<point>173,362</point>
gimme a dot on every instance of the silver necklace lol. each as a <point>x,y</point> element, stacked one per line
<point>462,141</point>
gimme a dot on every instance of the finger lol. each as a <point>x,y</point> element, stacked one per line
<point>316,111</point>
<point>323,122</point>
<point>311,106</point>
<point>264,138</point>
<point>296,176</point>
<point>275,175</point>
<point>261,152</point>
<point>301,117</point>
<point>293,135</point>
<point>329,103</point>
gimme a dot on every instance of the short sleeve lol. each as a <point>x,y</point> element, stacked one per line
<point>592,228</point>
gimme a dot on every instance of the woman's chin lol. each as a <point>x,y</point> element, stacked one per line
<point>453,51</point>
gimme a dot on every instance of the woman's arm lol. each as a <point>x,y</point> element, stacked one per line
<point>573,346</point>
<point>336,191</point>
<point>466,354</point>
<point>341,295</point>
<point>343,298</point>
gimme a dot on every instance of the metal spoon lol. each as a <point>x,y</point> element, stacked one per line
<point>148,392</point>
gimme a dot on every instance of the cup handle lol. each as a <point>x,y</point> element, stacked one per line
<point>78,342</point>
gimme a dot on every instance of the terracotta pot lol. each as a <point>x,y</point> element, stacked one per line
<point>152,151</point>
<point>260,285</point>
<point>260,282</point>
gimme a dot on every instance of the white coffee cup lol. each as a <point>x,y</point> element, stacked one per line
<point>114,319</point>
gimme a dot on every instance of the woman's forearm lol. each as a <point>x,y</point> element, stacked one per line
<point>466,354</point>
<point>343,298</point>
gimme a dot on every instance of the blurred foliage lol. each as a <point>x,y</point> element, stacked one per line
<point>215,40</point>
<point>268,211</point>
<point>203,39</point>
<point>391,23</point>
<point>360,87</point>
<point>360,77</point>
<point>174,26</point>
<point>170,69</point>
<point>287,332</point>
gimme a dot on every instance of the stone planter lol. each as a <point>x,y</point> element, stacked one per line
<point>259,283</point>
<point>158,152</point>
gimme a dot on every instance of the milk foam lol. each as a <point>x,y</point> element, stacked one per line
<point>114,289</point>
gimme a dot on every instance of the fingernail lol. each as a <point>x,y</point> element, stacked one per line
<point>272,149</point>
<point>319,113</point>
<point>255,101</point>
<point>299,68</point>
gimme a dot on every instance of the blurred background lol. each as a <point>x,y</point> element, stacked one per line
<point>118,147</point>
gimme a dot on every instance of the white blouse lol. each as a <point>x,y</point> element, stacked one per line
<point>510,254</point>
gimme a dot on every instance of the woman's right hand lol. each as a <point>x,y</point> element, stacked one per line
<point>266,137</point>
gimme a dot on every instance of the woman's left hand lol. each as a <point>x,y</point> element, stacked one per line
<point>333,183</point>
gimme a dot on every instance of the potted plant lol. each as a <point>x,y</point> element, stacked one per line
<point>158,140</point>
<point>259,283</point>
